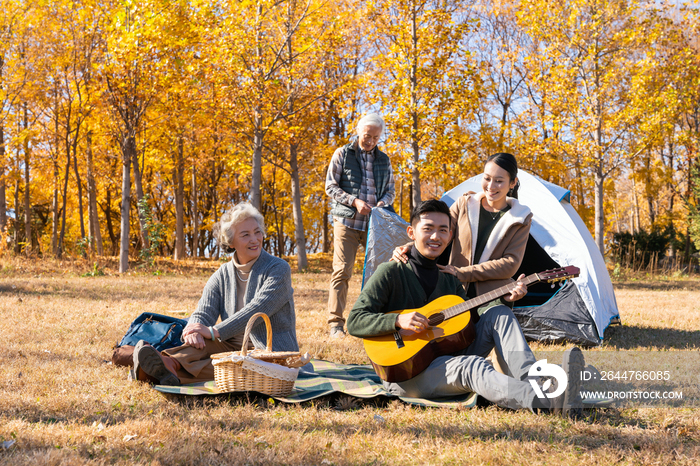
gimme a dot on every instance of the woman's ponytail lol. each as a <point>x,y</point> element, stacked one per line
<point>514,192</point>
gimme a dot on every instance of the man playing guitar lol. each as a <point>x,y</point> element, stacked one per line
<point>396,286</point>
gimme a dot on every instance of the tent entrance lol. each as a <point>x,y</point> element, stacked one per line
<point>553,314</point>
<point>564,318</point>
<point>536,260</point>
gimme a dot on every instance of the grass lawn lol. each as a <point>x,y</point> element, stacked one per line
<point>62,403</point>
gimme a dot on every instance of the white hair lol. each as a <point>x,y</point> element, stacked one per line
<point>372,119</point>
<point>225,229</point>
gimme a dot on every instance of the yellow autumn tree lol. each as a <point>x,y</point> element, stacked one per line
<point>592,53</point>
<point>133,48</point>
<point>421,73</point>
<point>13,24</point>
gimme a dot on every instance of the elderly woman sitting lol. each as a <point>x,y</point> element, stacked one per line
<point>253,281</point>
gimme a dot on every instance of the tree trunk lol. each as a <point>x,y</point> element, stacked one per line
<point>18,212</point>
<point>215,209</point>
<point>579,176</point>
<point>54,209</point>
<point>81,214</point>
<point>93,218</point>
<point>599,213</point>
<point>56,180</point>
<point>652,211</point>
<point>108,220</point>
<point>215,203</point>
<point>631,220</point>
<point>3,202</point>
<point>302,262</point>
<point>138,172</point>
<point>689,192</point>
<point>324,228</point>
<point>670,184</point>
<point>297,214</point>
<point>599,174</point>
<point>127,156</point>
<point>27,198</point>
<point>415,174</point>
<point>647,189</point>
<point>62,234</point>
<point>279,223</point>
<point>617,214</point>
<point>256,180</point>
<point>178,179</point>
<point>636,225</point>
<point>256,176</point>
<point>195,214</point>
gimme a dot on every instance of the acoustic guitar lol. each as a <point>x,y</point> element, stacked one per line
<point>402,355</point>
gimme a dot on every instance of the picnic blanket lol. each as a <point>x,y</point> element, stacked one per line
<point>327,378</point>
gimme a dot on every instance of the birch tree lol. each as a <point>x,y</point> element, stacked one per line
<point>419,66</point>
<point>596,54</point>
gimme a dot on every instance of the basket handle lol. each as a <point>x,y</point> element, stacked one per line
<point>249,327</point>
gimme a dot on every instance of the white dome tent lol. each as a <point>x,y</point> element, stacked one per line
<point>581,309</point>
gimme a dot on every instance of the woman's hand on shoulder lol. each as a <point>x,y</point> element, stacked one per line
<point>401,254</point>
<point>451,269</point>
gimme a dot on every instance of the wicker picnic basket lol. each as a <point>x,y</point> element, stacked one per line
<point>265,371</point>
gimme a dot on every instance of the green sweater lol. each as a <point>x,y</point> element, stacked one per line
<point>393,287</point>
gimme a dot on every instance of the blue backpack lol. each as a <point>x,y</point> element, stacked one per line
<point>162,332</point>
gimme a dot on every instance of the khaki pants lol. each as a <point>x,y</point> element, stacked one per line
<point>195,364</point>
<point>345,244</point>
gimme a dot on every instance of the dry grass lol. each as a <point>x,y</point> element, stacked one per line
<point>63,404</point>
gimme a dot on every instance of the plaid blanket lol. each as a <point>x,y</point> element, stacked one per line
<point>328,377</point>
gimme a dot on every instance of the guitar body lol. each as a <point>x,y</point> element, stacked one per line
<point>403,355</point>
<point>398,364</point>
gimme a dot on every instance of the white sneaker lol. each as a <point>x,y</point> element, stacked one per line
<point>337,332</point>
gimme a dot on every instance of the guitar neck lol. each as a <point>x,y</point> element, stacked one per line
<point>487,297</point>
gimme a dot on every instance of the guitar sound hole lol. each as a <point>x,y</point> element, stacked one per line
<point>436,319</point>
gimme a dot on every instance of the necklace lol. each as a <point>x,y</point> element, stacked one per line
<point>239,277</point>
<point>493,215</point>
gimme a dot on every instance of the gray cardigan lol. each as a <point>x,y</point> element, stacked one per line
<point>269,290</point>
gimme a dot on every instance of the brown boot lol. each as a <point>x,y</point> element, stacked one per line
<point>172,364</point>
<point>143,377</point>
<point>149,361</point>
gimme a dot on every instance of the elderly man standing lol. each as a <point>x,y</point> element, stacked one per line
<point>359,178</point>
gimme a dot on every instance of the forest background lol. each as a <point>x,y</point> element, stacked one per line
<point>128,127</point>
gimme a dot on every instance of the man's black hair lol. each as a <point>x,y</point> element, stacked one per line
<point>431,205</point>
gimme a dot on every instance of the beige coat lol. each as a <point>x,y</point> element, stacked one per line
<point>504,250</point>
